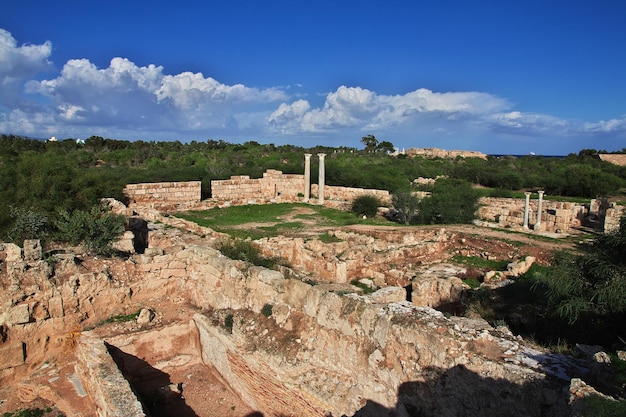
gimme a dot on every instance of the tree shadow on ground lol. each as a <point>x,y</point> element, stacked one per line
<point>152,386</point>
<point>459,392</point>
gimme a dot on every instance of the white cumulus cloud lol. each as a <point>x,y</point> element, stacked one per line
<point>128,95</point>
<point>18,63</point>
<point>364,109</point>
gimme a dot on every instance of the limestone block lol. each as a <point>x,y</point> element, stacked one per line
<point>432,291</point>
<point>19,314</point>
<point>389,295</point>
<point>270,277</point>
<point>125,243</point>
<point>104,381</point>
<point>55,307</point>
<point>32,250</point>
<point>518,268</point>
<point>13,252</point>
<point>12,355</point>
<point>146,315</point>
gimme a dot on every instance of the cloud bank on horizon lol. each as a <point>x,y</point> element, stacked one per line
<point>127,101</point>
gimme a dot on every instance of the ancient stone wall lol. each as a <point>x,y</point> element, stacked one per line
<point>349,194</point>
<point>274,186</point>
<point>612,217</point>
<point>105,383</point>
<point>556,216</point>
<point>165,196</point>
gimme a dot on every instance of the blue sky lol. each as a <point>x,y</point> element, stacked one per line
<point>494,76</point>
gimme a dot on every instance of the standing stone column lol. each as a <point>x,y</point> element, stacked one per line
<point>526,209</point>
<point>321,181</point>
<point>539,208</point>
<point>307,177</point>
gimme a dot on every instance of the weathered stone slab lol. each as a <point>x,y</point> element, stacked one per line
<point>104,381</point>
<point>19,314</point>
<point>32,250</point>
<point>13,252</point>
<point>55,307</point>
<point>12,355</point>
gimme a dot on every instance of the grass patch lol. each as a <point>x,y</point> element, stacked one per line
<point>268,220</point>
<point>245,250</point>
<point>366,288</point>
<point>480,263</point>
<point>121,318</point>
<point>473,283</point>
<point>328,238</point>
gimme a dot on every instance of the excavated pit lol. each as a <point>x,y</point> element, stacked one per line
<point>165,371</point>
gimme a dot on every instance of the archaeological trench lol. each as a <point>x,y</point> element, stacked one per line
<point>222,337</point>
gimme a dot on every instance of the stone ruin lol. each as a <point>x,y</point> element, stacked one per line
<point>319,349</point>
<point>529,214</point>
<point>299,341</point>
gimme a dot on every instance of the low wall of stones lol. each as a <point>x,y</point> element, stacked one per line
<point>612,217</point>
<point>167,196</point>
<point>274,186</point>
<point>349,194</point>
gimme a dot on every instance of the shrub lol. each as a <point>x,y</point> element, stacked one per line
<point>501,193</point>
<point>96,228</point>
<point>365,205</point>
<point>27,224</point>
<point>366,288</point>
<point>228,323</point>
<point>452,201</point>
<point>245,251</point>
<point>267,310</point>
<point>406,204</point>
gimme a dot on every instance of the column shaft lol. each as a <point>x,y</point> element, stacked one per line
<point>307,177</point>
<point>539,208</point>
<point>322,179</point>
<point>526,210</point>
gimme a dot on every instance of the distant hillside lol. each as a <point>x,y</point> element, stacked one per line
<point>613,158</point>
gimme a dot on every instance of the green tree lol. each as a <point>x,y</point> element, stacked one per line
<point>28,223</point>
<point>385,147</point>
<point>370,142</point>
<point>366,205</point>
<point>452,201</point>
<point>406,205</point>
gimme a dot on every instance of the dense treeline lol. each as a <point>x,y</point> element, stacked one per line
<point>49,177</point>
